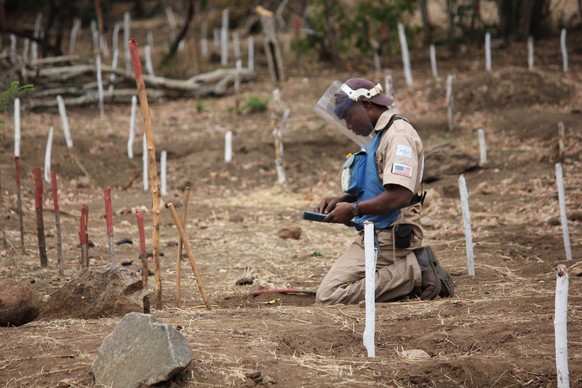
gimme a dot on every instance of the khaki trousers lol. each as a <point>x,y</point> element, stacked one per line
<point>397,272</point>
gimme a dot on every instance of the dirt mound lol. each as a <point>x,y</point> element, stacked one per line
<point>508,88</point>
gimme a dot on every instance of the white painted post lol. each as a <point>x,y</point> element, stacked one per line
<point>377,64</point>
<point>279,148</point>
<point>236,45</point>
<point>482,147</point>
<point>114,61</point>
<point>561,326</point>
<point>65,121</point>
<point>563,215</point>
<point>530,53</point>
<point>405,55</point>
<point>433,62</point>
<point>37,35</point>
<point>467,225</point>
<point>163,172</point>
<point>224,38</point>
<point>95,35</point>
<point>74,33</point>
<point>149,65</point>
<point>17,127</point>
<point>450,99</point>
<point>126,33</point>
<point>251,53</point>
<point>47,156</point>
<point>100,87</point>
<point>25,49</point>
<point>370,265</point>
<point>150,39</point>
<point>13,48</point>
<point>146,185</point>
<point>171,22</point>
<point>204,40</point>
<point>228,146</point>
<point>131,128</point>
<point>389,85</point>
<point>564,50</point>
<point>488,51</point>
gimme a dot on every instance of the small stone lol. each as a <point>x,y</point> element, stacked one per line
<point>289,233</point>
<point>414,354</point>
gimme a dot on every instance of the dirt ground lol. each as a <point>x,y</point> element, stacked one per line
<point>496,331</point>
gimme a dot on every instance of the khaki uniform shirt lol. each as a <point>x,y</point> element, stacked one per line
<point>400,161</point>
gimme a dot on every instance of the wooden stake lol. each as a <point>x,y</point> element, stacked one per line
<point>142,249</point>
<point>39,220</point>
<point>57,222</point>
<point>190,257</point>
<point>180,244</point>
<point>19,197</point>
<point>153,170</point>
<point>109,217</point>
<point>84,236</point>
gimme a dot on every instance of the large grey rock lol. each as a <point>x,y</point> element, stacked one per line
<point>446,159</point>
<point>97,292</point>
<point>139,352</point>
<point>19,303</point>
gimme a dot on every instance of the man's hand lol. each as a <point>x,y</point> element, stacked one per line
<point>327,204</point>
<point>342,214</point>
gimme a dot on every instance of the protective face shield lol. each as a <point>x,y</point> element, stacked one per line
<point>340,107</point>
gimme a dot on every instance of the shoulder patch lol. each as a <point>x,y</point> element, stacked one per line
<point>402,169</point>
<point>403,150</point>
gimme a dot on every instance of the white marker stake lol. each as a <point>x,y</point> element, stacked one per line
<point>95,35</point>
<point>131,128</point>
<point>65,121</point>
<point>224,39</point>
<point>433,62</point>
<point>13,48</point>
<point>561,326</point>
<point>126,32</point>
<point>150,39</point>
<point>564,50</point>
<point>204,40</point>
<point>389,85</point>
<point>100,87</point>
<point>17,127</point>
<point>279,149</point>
<point>370,260</point>
<point>113,66</point>
<point>251,53</point>
<point>145,164</point>
<point>530,53</point>
<point>405,55</point>
<point>148,55</point>
<point>228,146</point>
<point>377,64</point>
<point>163,172</point>
<point>488,51</point>
<point>236,45</point>
<point>74,33</point>
<point>561,141</point>
<point>482,147</point>
<point>450,98</point>
<point>47,156</point>
<point>467,225</point>
<point>563,215</point>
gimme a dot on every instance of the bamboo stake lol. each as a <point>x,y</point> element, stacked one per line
<point>153,170</point>
<point>109,217</point>
<point>190,257</point>
<point>19,197</point>
<point>142,249</point>
<point>39,220</point>
<point>84,237</point>
<point>57,222</point>
<point>180,244</point>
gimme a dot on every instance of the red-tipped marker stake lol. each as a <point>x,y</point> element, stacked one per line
<point>57,221</point>
<point>19,195</point>
<point>142,248</point>
<point>38,191</point>
<point>153,170</point>
<point>109,216</point>
<point>84,237</point>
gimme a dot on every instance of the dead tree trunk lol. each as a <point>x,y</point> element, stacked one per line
<point>272,48</point>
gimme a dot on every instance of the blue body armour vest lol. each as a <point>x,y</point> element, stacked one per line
<point>372,185</point>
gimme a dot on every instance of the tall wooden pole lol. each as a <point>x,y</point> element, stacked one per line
<point>153,170</point>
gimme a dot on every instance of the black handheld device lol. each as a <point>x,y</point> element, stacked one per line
<point>313,216</point>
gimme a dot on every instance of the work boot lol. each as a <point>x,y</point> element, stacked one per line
<point>430,287</point>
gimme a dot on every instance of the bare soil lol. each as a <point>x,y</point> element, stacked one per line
<point>497,330</point>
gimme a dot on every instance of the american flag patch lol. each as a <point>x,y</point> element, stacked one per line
<point>402,169</point>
